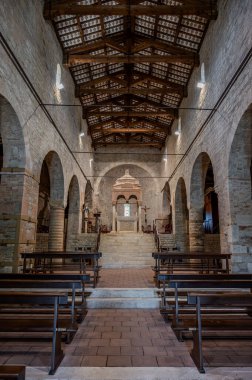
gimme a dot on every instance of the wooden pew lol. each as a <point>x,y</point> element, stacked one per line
<point>179,311</point>
<point>219,323</point>
<point>56,281</point>
<point>53,262</point>
<point>14,322</point>
<point>172,283</point>
<point>170,262</point>
<point>12,372</point>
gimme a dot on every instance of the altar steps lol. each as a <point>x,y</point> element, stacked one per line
<point>125,250</point>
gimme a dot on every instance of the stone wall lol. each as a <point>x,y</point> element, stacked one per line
<point>228,87</point>
<point>29,135</point>
<point>28,132</point>
<point>42,242</point>
<point>212,243</point>
<point>82,240</point>
<point>151,193</point>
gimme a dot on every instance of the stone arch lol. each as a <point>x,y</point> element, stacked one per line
<point>149,171</point>
<point>104,190</point>
<point>88,213</point>
<point>88,198</point>
<point>72,213</point>
<point>43,201</point>
<point>240,193</point>
<point>181,216</point>
<point>56,203</point>
<point>14,153</point>
<point>12,185</point>
<point>197,190</point>
<point>211,214</point>
<point>167,208</point>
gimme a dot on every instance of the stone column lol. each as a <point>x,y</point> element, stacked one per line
<point>139,218</point>
<point>196,231</point>
<point>56,228</point>
<point>114,219</point>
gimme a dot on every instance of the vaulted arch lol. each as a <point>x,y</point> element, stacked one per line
<point>181,216</point>
<point>240,192</point>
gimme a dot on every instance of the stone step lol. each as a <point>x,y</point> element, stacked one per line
<point>108,298</point>
<point>127,250</point>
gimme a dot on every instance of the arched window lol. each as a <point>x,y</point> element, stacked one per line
<point>126,209</point>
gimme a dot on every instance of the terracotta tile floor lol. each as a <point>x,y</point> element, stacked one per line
<point>126,278</point>
<point>126,338</point>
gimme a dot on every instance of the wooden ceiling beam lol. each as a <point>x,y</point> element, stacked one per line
<point>151,144</point>
<point>206,9</point>
<point>170,87</point>
<point>158,44</point>
<point>131,124</point>
<point>79,59</point>
<point>124,90</point>
<point>167,113</point>
<point>130,130</point>
<point>100,44</point>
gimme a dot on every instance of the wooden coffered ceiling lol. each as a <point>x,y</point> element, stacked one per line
<point>131,61</point>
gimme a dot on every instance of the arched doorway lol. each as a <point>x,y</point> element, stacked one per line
<point>15,227</point>
<point>240,194</point>
<point>88,219</point>
<point>181,217</point>
<point>211,214</point>
<point>43,215</point>
<point>167,209</point>
<point>51,188</point>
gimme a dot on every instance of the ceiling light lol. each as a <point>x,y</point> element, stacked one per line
<point>202,81</point>
<point>59,86</point>
<point>178,131</point>
<point>201,84</point>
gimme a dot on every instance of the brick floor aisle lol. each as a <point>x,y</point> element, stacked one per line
<point>126,278</point>
<point>125,338</point>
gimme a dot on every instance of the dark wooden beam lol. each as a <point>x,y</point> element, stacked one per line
<point>206,9</point>
<point>131,124</point>
<point>100,44</point>
<point>151,144</point>
<point>129,130</point>
<point>124,90</point>
<point>158,44</point>
<point>79,59</point>
<point>167,113</point>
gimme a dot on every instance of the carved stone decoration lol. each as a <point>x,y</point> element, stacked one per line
<point>127,188</point>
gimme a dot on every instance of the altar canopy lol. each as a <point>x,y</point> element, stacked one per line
<point>126,203</point>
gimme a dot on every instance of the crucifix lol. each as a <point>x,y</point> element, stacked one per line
<point>145,208</point>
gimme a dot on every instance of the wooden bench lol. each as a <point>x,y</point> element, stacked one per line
<point>73,282</point>
<point>220,323</point>
<point>179,311</point>
<point>53,262</point>
<point>13,322</point>
<point>198,263</point>
<point>12,372</point>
